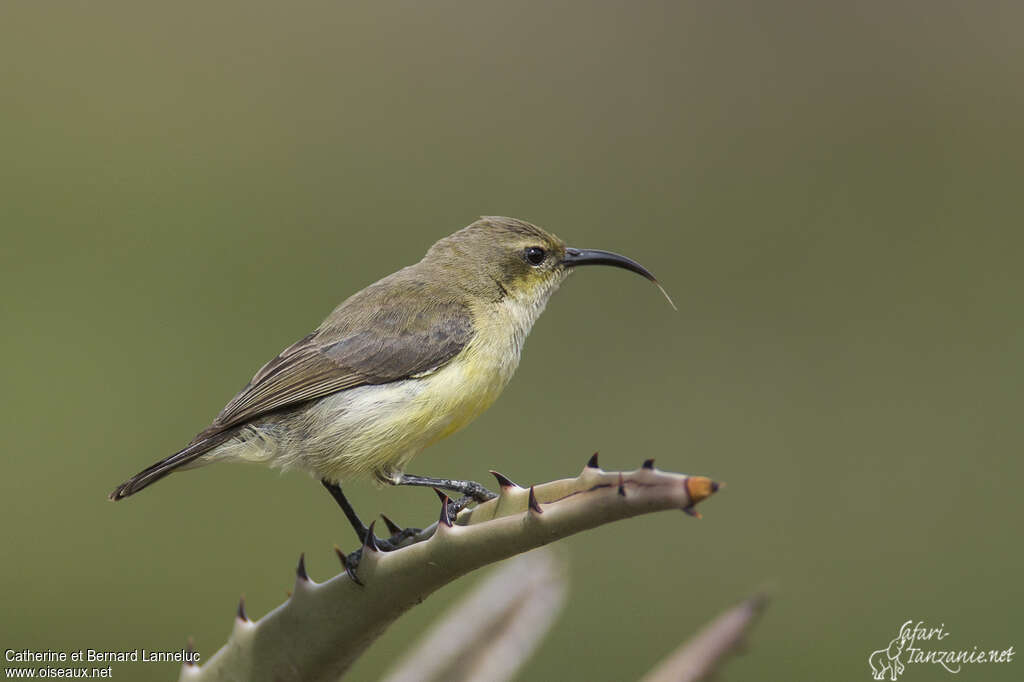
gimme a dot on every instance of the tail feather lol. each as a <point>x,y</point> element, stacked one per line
<point>155,472</point>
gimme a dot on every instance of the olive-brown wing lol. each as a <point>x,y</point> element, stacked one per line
<point>392,341</point>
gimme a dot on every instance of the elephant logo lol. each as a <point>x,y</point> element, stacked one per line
<point>887,660</point>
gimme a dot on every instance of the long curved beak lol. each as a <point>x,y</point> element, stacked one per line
<point>575,257</point>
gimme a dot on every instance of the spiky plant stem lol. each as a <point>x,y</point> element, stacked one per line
<point>323,627</point>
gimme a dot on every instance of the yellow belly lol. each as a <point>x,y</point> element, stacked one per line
<point>461,391</point>
<point>377,429</point>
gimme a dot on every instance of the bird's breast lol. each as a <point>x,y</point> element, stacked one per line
<point>380,427</point>
<point>467,385</point>
<point>470,383</point>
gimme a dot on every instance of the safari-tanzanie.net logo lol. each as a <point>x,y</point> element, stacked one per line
<point>918,644</point>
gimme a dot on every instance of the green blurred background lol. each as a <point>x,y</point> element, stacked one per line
<point>831,192</point>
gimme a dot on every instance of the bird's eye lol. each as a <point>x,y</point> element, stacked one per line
<point>534,255</point>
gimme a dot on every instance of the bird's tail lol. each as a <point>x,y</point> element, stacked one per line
<point>155,472</point>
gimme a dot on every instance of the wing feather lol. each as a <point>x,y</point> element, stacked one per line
<point>388,332</point>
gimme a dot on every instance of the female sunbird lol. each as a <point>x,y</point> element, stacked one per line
<point>396,367</point>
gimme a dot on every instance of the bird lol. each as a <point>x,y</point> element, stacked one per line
<point>396,367</point>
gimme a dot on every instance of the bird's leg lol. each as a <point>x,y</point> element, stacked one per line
<point>357,524</point>
<point>471,489</point>
<point>458,505</point>
<point>398,535</point>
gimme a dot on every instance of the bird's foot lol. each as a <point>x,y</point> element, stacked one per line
<point>470,489</point>
<point>399,535</point>
<point>458,505</point>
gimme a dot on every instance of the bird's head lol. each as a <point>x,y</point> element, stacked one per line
<point>504,258</point>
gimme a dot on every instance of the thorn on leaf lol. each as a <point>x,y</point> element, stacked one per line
<point>445,517</point>
<point>350,570</point>
<point>241,610</point>
<point>503,480</point>
<point>692,511</point>
<point>592,462</point>
<point>370,543</point>
<point>534,504</point>
<point>393,527</point>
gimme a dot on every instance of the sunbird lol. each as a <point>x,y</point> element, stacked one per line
<point>396,367</point>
